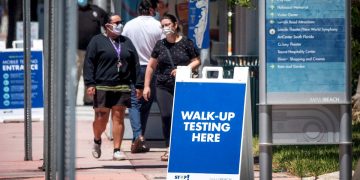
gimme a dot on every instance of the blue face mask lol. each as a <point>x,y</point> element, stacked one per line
<point>82,3</point>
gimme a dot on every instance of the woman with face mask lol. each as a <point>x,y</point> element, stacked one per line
<point>111,65</point>
<point>174,50</point>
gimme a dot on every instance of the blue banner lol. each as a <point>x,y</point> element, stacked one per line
<point>129,9</point>
<point>207,131</point>
<point>12,79</point>
<point>199,23</point>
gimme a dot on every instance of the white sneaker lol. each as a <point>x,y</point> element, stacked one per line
<point>118,155</point>
<point>96,151</point>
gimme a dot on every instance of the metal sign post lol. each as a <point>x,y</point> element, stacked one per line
<point>27,80</point>
<point>49,164</point>
<point>65,73</point>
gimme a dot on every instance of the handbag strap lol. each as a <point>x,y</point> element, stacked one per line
<point>170,57</point>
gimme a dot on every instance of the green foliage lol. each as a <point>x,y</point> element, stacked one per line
<point>313,160</point>
<point>242,3</point>
<point>256,150</point>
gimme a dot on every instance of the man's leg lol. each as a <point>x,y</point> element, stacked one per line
<point>134,114</point>
<point>138,142</point>
<point>139,113</point>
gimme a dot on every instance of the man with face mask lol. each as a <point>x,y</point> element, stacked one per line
<point>111,66</point>
<point>90,20</point>
<point>144,31</point>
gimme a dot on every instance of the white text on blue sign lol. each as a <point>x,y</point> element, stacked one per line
<point>207,126</point>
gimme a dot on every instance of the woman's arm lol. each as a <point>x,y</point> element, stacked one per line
<point>150,68</point>
<point>195,63</point>
<point>89,67</point>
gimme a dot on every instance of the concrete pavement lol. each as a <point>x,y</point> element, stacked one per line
<point>136,167</point>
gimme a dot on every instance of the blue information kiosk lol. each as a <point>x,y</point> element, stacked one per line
<point>211,127</point>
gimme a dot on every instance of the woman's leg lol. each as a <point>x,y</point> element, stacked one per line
<point>117,114</point>
<point>165,102</point>
<point>100,121</point>
<point>99,126</point>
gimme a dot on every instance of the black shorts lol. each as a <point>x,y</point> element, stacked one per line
<point>109,99</point>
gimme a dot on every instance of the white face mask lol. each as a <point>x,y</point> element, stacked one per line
<point>168,31</point>
<point>117,29</point>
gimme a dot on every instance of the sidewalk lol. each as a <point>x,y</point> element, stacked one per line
<point>136,167</point>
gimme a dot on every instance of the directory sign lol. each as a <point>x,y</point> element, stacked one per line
<point>306,51</point>
<point>12,80</point>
